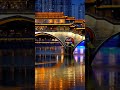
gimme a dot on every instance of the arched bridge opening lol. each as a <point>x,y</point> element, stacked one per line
<point>107,54</point>
<point>49,50</point>
<point>17,26</point>
<point>17,31</point>
<point>47,39</point>
<point>79,52</point>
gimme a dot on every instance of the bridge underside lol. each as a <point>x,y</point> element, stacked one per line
<point>17,31</point>
<point>63,35</point>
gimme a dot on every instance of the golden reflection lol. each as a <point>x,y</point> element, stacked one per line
<point>59,78</point>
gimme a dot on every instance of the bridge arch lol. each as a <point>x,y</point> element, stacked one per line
<point>113,45</point>
<point>79,46</point>
<point>16,18</point>
<point>17,26</point>
<point>38,34</point>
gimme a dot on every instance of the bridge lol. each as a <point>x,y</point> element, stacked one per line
<point>102,29</point>
<point>16,8</point>
<point>67,30</point>
<point>15,17</point>
<point>97,19</point>
<point>104,21</point>
<point>17,28</point>
<point>62,36</point>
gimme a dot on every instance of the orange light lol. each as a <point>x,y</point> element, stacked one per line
<point>50,21</point>
<point>62,21</point>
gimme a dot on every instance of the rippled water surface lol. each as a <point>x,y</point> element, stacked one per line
<point>17,69</point>
<point>57,71</point>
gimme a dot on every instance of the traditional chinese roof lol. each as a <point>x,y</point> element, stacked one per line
<point>49,15</point>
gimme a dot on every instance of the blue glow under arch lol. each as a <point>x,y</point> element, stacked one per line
<point>80,48</point>
<point>110,45</point>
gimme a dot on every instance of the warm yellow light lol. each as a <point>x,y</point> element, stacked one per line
<point>56,21</point>
<point>50,21</point>
<point>62,21</point>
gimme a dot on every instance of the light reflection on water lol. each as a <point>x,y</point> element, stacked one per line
<point>17,69</point>
<point>107,56</point>
<point>106,71</point>
<point>58,71</point>
<point>107,78</point>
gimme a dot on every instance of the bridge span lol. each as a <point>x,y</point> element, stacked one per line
<point>61,36</point>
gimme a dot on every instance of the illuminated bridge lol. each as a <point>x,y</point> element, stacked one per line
<point>61,36</point>
<point>54,26</point>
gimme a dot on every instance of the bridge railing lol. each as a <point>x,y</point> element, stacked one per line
<point>57,30</point>
<point>16,6</point>
<point>53,30</point>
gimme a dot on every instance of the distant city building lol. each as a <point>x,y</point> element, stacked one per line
<point>81,11</point>
<point>54,6</point>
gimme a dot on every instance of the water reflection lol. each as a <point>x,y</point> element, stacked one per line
<point>108,53</point>
<point>107,56</point>
<point>16,78</point>
<point>17,57</point>
<point>17,69</point>
<point>106,73</point>
<point>108,78</point>
<point>57,71</point>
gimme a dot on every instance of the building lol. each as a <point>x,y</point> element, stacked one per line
<point>56,21</point>
<point>54,6</point>
<point>81,10</point>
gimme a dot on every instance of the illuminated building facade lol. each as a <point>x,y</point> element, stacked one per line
<point>81,10</point>
<point>54,6</point>
<point>56,21</point>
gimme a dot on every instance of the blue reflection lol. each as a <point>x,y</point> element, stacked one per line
<point>108,53</point>
<point>107,79</point>
<point>80,49</point>
<point>79,59</point>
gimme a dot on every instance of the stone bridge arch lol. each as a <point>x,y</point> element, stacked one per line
<point>62,37</point>
<point>47,34</point>
<point>5,16</point>
<point>111,45</point>
<point>102,28</point>
<point>15,18</point>
<point>17,26</point>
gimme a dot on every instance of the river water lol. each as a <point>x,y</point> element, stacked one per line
<point>57,71</point>
<point>17,68</point>
<point>51,69</point>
